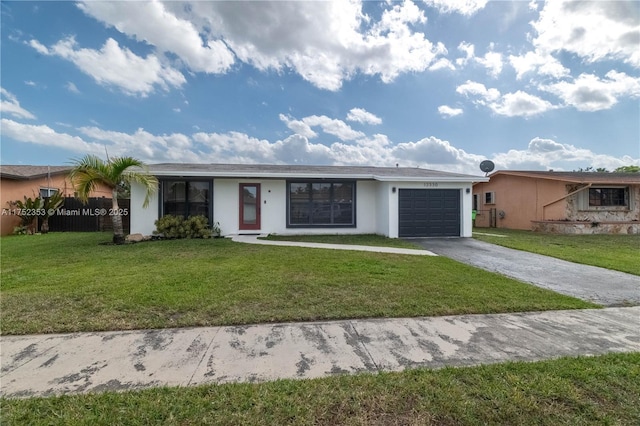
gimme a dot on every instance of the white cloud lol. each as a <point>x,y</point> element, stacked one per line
<point>116,66</point>
<point>469,50</point>
<point>153,23</point>
<point>591,93</point>
<point>299,127</point>
<point>30,83</point>
<point>46,136</point>
<point>236,147</point>
<point>325,42</point>
<point>333,127</point>
<point>542,63</point>
<point>471,88</point>
<point>544,154</point>
<point>520,104</point>
<point>447,111</point>
<point>9,105</point>
<point>72,87</point>
<point>492,61</point>
<point>363,116</point>
<point>39,47</point>
<point>463,7</point>
<point>595,31</point>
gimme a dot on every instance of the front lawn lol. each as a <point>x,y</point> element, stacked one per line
<point>618,252</point>
<point>569,391</point>
<point>65,282</point>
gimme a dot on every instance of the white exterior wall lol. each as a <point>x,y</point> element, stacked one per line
<point>273,202</point>
<point>383,208</point>
<point>142,219</point>
<point>226,205</point>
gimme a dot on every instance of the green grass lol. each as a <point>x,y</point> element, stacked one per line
<point>602,390</point>
<point>68,282</point>
<point>618,252</point>
<point>358,240</point>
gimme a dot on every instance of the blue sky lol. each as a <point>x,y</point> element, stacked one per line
<point>434,84</point>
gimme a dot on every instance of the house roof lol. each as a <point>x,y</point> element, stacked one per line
<point>308,172</point>
<point>20,172</point>
<point>575,177</point>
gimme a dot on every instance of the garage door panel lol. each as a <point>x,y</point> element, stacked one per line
<point>429,212</point>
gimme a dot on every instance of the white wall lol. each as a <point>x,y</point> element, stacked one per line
<point>274,208</point>
<point>142,219</point>
<point>384,207</point>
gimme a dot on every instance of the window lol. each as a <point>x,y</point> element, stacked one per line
<point>330,204</point>
<point>608,197</point>
<point>47,192</point>
<point>186,198</point>
<point>490,197</point>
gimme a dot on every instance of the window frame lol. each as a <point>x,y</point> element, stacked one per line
<point>50,191</point>
<point>161,200</point>
<point>492,196</point>
<point>354,190</point>
<point>627,198</point>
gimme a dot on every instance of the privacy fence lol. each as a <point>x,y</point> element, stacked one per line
<point>94,216</point>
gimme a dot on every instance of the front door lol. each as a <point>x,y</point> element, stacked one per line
<point>249,206</point>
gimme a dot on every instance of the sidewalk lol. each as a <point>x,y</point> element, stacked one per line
<point>254,239</point>
<point>43,365</point>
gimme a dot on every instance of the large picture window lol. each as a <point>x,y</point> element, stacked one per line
<point>608,197</point>
<point>186,198</point>
<point>321,204</point>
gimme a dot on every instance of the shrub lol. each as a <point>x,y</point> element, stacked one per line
<point>170,226</point>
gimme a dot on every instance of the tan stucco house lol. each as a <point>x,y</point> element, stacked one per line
<point>564,202</point>
<point>19,181</point>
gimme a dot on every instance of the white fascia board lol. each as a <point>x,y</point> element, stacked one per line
<point>239,175</point>
<point>472,179</point>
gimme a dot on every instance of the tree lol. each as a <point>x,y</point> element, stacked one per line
<point>628,169</point>
<point>28,211</point>
<point>116,173</point>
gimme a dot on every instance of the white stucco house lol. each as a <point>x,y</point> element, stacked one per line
<point>286,199</point>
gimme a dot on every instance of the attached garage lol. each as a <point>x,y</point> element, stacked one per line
<point>429,213</point>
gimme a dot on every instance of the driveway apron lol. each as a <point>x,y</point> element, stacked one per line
<point>597,285</point>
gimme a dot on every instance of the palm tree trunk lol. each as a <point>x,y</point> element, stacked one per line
<point>116,219</point>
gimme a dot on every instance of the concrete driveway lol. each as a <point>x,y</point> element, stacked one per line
<point>598,285</point>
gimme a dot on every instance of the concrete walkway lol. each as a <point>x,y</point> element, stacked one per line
<point>255,239</point>
<point>599,285</point>
<point>45,365</point>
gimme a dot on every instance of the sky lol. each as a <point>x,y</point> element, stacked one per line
<point>436,84</point>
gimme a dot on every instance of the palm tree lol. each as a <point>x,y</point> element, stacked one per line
<point>115,173</point>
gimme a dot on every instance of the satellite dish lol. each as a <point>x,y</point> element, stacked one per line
<point>487,166</point>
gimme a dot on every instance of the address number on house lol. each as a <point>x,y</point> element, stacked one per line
<point>431,184</point>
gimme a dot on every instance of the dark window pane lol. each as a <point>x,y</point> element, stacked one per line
<point>185,198</point>
<point>607,197</point>
<point>299,214</point>
<point>175,198</point>
<point>321,203</point>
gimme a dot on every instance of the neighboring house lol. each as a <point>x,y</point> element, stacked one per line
<point>564,202</point>
<point>392,201</point>
<point>17,182</point>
